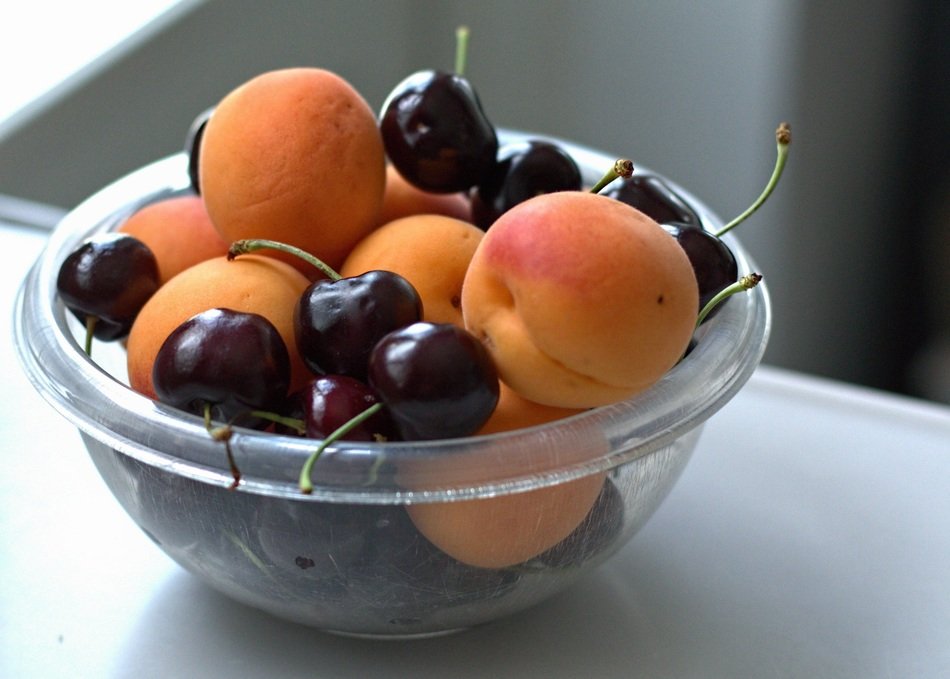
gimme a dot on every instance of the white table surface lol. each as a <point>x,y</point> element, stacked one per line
<point>808,537</point>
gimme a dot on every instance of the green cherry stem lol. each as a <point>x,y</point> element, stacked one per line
<point>461,49</point>
<point>306,485</point>
<point>223,433</point>
<point>783,137</point>
<point>249,245</point>
<point>621,168</point>
<point>290,422</point>
<point>747,282</point>
<point>90,329</point>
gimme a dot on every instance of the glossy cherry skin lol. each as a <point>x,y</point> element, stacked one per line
<point>193,146</point>
<point>436,133</point>
<point>653,197</point>
<point>338,322</point>
<point>523,170</point>
<point>109,277</point>
<point>713,262</point>
<point>437,380</point>
<point>328,402</point>
<point>234,361</point>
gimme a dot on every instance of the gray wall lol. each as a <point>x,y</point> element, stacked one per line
<point>691,89</point>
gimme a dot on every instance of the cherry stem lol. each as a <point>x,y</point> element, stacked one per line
<point>306,485</point>
<point>621,168</point>
<point>249,245</point>
<point>747,282</point>
<point>783,137</point>
<point>461,49</point>
<point>223,433</point>
<point>90,328</point>
<point>290,422</point>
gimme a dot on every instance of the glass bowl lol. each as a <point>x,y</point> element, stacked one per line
<point>348,558</point>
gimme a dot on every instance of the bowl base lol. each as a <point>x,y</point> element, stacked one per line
<point>416,636</point>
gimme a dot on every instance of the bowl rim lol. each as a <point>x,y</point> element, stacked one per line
<point>730,347</point>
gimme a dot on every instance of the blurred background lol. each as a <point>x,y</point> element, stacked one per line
<point>854,245</point>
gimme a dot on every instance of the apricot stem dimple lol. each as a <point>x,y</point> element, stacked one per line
<point>249,245</point>
<point>621,168</point>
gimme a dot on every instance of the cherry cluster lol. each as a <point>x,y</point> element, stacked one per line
<point>439,138</point>
<point>380,371</point>
<point>437,135</point>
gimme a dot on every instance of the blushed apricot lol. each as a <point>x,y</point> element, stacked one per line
<point>178,231</point>
<point>430,251</point>
<point>402,199</point>
<point>253,283</point>
<point>582,300</point>
<point>294,155</point>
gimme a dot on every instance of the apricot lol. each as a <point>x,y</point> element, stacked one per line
<point>430,251</point>
<point>513,411</point>
<point>252,283</point>
<point>294,155</point>
<point>582,300</point>
<point>509,529</point>
<point>178,231</point>
<point>402,199</point>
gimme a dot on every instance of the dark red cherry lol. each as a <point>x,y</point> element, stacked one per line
<point>338,322</point>
<point>326,403</point>
<point>436,133</point>
<point>236,362</point>
<point>524,169</point>
<point>437,380</point>
<point>653,197</point>
<point>713,262</point>
<point>108,278</point>
<point>193,146</point>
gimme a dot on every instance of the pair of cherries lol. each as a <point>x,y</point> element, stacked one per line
<point>437,135</point>
<point>713,262</point>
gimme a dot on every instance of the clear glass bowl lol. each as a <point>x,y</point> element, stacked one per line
<point>348,558</point>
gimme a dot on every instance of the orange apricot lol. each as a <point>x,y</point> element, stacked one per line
<point>403,199</point>
<point>253,283</point>
<point>178,231</point>
<point>294,155</point>
<point>502,531</point>
<point>516,412</point>
<point>582,300</point>
<point>430,251</point>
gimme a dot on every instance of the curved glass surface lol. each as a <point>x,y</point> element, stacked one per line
<point>99,403</point>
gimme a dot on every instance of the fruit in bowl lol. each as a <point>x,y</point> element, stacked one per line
<point>459,469</point>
